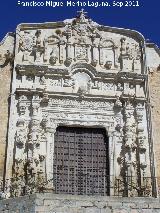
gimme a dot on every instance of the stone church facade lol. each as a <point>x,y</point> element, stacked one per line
<point>79,113</point>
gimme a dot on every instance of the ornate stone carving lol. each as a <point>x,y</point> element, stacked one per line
<point>81,40</point>
<point>129,163</point>
<point>38,47</point>
<point>84,104</point>
<point>141,138</point>
<point>53,56</point>
<point>69,82</point>
<point>22,104</point>
<point>108,65</point>
<point>129,90</point>
<point>69,75</point>
<point>43,80</point>
<point>118,103</point>
<point>108,53</point>
<point>26,44</point>
<point>20,138</point>
<point>120,87</point>
<point>130,55</point>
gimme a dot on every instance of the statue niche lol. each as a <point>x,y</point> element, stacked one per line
<point>39,46</point>
<point>82,82</point>
<point>81,48</point>
<point>51,53</point>
<point>130,56</point>
<point>108,54</point>
<point>26,44</point>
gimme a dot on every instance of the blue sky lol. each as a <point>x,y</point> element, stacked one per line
<point>145,18</point>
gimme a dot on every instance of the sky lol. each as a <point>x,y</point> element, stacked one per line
<point>144,18</point>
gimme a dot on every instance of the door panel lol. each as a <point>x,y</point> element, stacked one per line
<point>81,161</point>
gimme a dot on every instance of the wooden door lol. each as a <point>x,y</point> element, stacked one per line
<point>81,161</point>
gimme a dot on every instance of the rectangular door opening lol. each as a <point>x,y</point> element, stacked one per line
<point>81,161</point>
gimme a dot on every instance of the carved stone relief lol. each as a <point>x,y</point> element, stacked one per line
<point>81,40</point>
<point>130,56</point>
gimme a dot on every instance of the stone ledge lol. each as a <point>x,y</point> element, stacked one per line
<point>56,203</point>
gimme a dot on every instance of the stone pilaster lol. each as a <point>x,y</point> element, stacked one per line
<point>50,131</point>
<point>130,161</point>
<point>101,60</point>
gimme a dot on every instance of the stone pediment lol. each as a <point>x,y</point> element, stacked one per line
<point>80,40</point>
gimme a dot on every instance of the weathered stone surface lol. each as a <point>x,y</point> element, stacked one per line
<point>135,211</point>
<point>78,73</point>
<point>53,204</point>
<point>5,82</point>
<point>154,82</point>
<point>120,211</point>
<point>116,204</point>
<point>100,204</point>
<point>147,211</point>
<point>106,210</point>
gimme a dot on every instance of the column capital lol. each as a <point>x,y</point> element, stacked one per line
<point>51,129</point>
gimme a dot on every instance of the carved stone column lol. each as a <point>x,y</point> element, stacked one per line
<point>18,175</point>
<point>140,134</point>
<point>68,53</point>
<point>33,173</point>
<point>118,134</point>
<point>45,55</point>
<point>38,55</point>
<point>115,50</point>
<point>101,59</point>
<point>94,55</point>
<point>25,55</point>
<point>130,161</point>
<point>19,156</point>
<point>39,46</point>
<point>61,52</point>
<point>111,140</point>
<point>50,131</point>
<point>142,143</point>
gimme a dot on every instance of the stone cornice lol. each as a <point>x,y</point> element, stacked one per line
<point>46,25</point>
<point>95,74</point>
<point>77,96</point>
<point>39,70</point>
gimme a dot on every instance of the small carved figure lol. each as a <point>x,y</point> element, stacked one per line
<point>20,138</point>
<point>26,45</point>
<point>43,80</point>
<point>89,86</point>
<point>119,87</point>
<point>39,48</point>
<point>108,65</point>
<point>53,56</point>
<point>38,40</point>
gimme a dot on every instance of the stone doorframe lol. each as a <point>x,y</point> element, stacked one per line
<point>50,147</point>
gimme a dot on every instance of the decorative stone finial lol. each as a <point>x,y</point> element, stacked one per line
<point>82,14</point>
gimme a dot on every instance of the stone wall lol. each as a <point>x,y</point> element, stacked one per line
<point>52,203</point>
<point>154,82</point>
<point>6,52</point>
<point>5,78</point>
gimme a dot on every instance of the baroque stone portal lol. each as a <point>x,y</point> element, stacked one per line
<point>79,74</point>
